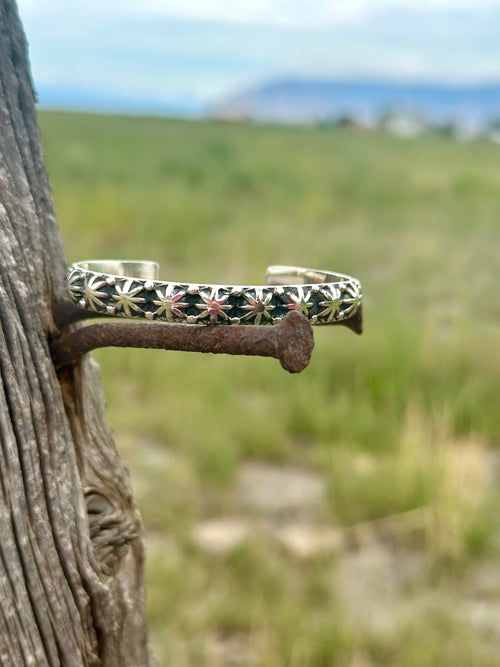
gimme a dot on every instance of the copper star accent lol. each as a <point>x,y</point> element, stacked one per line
<point>301,302</point>
<point>331,304</point>
<point>127,299</point>
<point>169,304</point>
<point>259,307</point>
<point>213,305</point>
<point>92,294</point>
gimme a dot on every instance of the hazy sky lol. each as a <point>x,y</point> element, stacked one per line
<point>201,49</point>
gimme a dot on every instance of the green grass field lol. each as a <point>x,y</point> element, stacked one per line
<point>399,429</point>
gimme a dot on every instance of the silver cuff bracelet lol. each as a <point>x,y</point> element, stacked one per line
<point>131,289</point>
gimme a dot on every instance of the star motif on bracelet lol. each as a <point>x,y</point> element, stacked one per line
<point>331,304</point>
<point>92,294</point>
<point>74,287</point>
<point>213,306</point>
<point>351,297</point>
<point>169,304</point>
<point>301,302</point>
<point>127,299</point>
<point>258,307</point>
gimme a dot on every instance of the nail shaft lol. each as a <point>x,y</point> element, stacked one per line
<point>291,341</point>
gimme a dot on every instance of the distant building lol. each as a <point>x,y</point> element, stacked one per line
<point>493,131</point>
<point>459,130</point>
<point>402,123</point>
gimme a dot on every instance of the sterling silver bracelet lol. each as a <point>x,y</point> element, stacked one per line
<point>131,289</point>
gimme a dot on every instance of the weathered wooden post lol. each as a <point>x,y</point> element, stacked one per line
<point>71,555</point>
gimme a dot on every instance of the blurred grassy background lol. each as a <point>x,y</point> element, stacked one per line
<point>348,515</point>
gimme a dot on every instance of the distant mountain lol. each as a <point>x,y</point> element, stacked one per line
<point>310,101</point>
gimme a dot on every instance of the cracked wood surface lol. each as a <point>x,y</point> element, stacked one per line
<point>71,554</point>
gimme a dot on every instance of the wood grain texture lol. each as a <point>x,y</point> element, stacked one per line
<point>71,554</point>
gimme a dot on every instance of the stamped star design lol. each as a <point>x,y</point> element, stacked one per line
<point>169,304</point>
<point>352,297</point>
<point>93,295</point>
<point>126,298</point>
<point>258,307</point>
<point>74,288</point>
<point>301,301</point>
<point>213,306</point>
<point>331,304</point>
